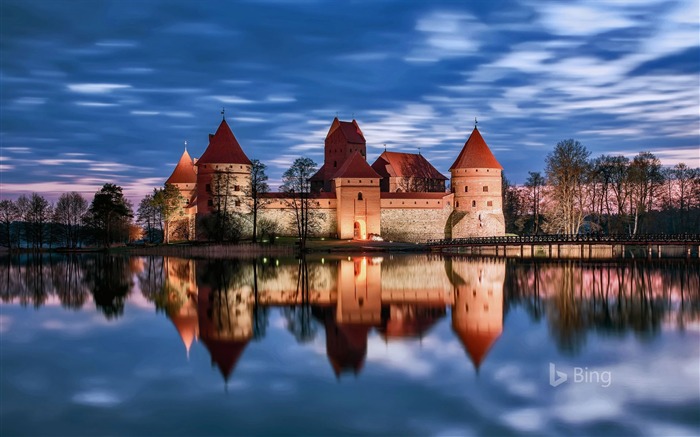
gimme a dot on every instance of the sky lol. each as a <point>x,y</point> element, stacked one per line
<point>109,91</point>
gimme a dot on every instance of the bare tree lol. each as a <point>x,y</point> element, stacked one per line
<point>255,192</point>
<point>534,184</point>
<point>37,218</point>
<point>68,213</point>
<point>8,215</point>
<point>296,184</point>
<point>645,179</point>
<point>566,171</point>
<point>684,178</point>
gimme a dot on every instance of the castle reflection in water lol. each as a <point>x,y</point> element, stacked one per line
<point>220,302</point>
<point>225,303</point>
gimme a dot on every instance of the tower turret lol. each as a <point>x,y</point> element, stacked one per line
<point>476,184</point>
<point>223,172</point>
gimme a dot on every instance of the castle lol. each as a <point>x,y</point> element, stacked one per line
<point>400,197</point>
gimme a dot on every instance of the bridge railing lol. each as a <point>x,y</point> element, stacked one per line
<point>569,238</point>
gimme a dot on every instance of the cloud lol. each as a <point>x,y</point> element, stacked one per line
<point>584,19</point>
<point>446,35</point>
<point>96,104</point>
<point>96,88</point>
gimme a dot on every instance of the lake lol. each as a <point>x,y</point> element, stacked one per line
<point>347,345</point>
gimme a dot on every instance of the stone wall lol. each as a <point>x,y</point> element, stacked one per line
<point>414,225</point>
<point>285,218</point>
<point>482,224</point>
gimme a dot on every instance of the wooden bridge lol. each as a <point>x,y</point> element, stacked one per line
<point>574,245</point>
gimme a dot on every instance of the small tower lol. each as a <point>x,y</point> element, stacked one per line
<point>223,173</point>
<point>357,189</point>
<point>343,139</point>
<point>477,313</point>
<point>184,177</point>
<point>476,184</point>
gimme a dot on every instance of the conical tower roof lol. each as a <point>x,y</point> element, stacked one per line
<point>478,343</point>
<point>476,154</point>
<point>223,148</point>
<point>184,172</point>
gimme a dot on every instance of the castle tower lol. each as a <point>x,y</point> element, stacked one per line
<point>223,173</point>
<point>184,177</point>
<point>476,184</point>
<point>358,208</point>
<point>359,292</point>
<point>477,313</point>
<point>225,316</point>
<point>343,139</point>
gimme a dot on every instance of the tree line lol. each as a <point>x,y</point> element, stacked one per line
<point>33,223</point>
<point>609,194</point>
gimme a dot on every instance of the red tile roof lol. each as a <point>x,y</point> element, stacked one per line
<point>476,154</point>
<point>478,343</point>
<point>184,172</point>
<point>223,148</point>
<point>356,167</point>
<point>225,354</point>
<point>421,195</point>
<point>406,165</point>
<point>318,176</point>
<point>350,130</point>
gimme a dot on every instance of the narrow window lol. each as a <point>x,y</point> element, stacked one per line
<point>359,196</point>
<point>489,203</point>
<point>466,189</point>
<point>208,188</point>
<point>236,188</point>
<point>473,203</point>
<point>456,204</point>
<point>486,189</point>
<point>335,164</point>
<point>238,203</point>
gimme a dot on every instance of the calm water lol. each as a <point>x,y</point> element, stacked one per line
<point>391,345</point>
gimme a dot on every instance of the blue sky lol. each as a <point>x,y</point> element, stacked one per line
<point>96,92</point>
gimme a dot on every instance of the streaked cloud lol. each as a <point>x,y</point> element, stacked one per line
<point>96,88</point>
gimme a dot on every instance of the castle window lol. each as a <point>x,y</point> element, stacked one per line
<point>487,170</point>
<point>360,181</point>
<point>236,188</point>
<point>477,170</point>
<point>486,189</point>
<point>489,203</point>
<point>359,196</point>
<point>466,307</point>
<point>426,202</point>
<point>208,188</point>
<point>335,164</point>
<point>238,203</point>
<point>456,204</point>
<point>473,203</point>
<point>241,167</point>
<point>466,189</point>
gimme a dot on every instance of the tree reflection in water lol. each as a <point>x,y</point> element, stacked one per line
<point>226,303</point>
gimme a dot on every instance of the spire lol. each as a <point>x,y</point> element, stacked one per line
<point>223,113</point>
<point>475,122</point>
<point>185,145</point>
<point>475,154</point>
